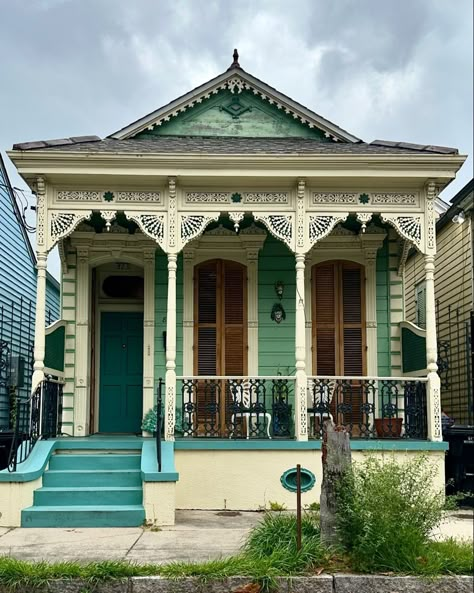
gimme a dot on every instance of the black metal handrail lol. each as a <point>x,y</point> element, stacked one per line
<point>34,418</point>
<point>159,422</point>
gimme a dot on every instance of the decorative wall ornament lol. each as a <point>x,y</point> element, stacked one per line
<point>152,225</point>
<point>300,211</point>
<point>172,212</point>
<point>266,198</point>
<point>279,289</point>
<point>321,226</point>
<point>279,225</point>
<point>235,108</point>
<point>334,198</point>
<point>108,216</point>
<point>139,196</point>
<point>193,225</point>
<point>236,218</point>
<point>170,412</point>
<point>278,313</point>
<point>79,196</point>
<point>62,224</point>
<point>236,198</point>
<point>109,196</point>
<point>364,218</point>
<point>409,227</point>
<point>437,423</point>
<point>207,197</point>
<point>394,199</point>
<point>364,198</point>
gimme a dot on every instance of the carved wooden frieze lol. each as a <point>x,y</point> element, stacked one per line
<point>231,198</point>
<point>355,198</point>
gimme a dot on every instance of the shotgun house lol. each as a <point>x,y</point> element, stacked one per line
<point>240,258</point>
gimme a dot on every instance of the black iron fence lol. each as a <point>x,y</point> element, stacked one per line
<point>455,362</point>
<point>235,407</point>
<point>36,417</point>
<point>381,407</point>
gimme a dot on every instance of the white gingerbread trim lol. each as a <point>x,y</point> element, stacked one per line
<point>193,225</point>
<point>281,226</point>
<point>62,224</point>
<point>108,216</point>
<point>408,227</point>
<point>152,225</point>
<point>321,225</point>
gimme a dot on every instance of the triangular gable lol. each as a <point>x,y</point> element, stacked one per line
<point>262,110</point>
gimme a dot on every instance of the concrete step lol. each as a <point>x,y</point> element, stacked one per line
<point>94,462</point>
<point>83,516</point>
<point>82,478</point>
<point>94,496</point>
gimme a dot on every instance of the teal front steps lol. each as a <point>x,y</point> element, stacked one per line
<point>90,486</point>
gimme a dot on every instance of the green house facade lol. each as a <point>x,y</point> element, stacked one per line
<point>236,261</point>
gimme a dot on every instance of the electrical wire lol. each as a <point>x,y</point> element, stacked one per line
<point>22,202</point>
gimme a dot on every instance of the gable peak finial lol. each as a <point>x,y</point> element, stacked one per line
<point>235,63</point>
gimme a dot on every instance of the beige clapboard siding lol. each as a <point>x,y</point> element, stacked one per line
<point>454,295</point>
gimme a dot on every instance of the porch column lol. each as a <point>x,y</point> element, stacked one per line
<point>148,329</point>
<point>434,384</point>
<point>40,319</point>
<point>301,415</point>
<point>170,377</point>
<point>82,394</point>
<point>371,311</point>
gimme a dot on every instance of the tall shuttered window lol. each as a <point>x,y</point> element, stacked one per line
<point>220,335</point>
<point>220,328</point>
<point>339,335</point>
<point>420,302</point>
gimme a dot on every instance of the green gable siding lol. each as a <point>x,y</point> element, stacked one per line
<point>383,311</point>
<point>276,342</point>
<point>253,117</point>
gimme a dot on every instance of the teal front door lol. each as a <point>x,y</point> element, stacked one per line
<point>121,372</point>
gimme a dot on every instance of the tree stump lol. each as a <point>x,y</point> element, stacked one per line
<point>336,459</point>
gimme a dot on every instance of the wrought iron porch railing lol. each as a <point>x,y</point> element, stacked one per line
<point>235,407</point>
<point>368,407</point>
<point>34,418</point>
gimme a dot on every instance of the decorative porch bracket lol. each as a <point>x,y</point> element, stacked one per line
<point>62,224</point>
<point>193,225</point>
<point>320,226</point>
<point>408,227</point>
<point>152,225</point>
<point>281,226</point>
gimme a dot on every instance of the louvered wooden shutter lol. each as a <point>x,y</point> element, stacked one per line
<point>420,299</point>
<point>325,319</point>
<point>220,332</point>
<point>234,322</point>
<point>339,327</point>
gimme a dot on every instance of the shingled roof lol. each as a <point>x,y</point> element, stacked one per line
<point>227,145</point>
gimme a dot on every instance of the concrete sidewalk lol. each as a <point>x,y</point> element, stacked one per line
<point>197,536</point>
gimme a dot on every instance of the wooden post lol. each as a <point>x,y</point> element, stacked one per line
<point>298,507</point>
<point>336,458</point>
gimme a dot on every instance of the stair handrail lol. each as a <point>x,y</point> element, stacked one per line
<point>159,422</point>
<point>37,417</point>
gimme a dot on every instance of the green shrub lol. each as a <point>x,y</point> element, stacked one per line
<point>275,538</point>
<point>387,511</point>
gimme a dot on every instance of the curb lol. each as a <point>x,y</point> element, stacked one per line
<point>338,583</point>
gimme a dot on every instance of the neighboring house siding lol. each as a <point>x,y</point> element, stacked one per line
<point>454,303</point>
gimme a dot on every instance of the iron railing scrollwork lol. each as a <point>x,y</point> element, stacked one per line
<point>237,407</point>
<point>36,417</point>
<point>368,407</point>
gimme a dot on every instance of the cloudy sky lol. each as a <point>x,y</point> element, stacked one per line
<point>389,69</point>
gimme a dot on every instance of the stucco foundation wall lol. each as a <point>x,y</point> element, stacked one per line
<point>15,496</point>
<point>249,480</point>
<point>159,502</point>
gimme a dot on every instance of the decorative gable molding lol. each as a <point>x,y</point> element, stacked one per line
<point>236,83</point>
